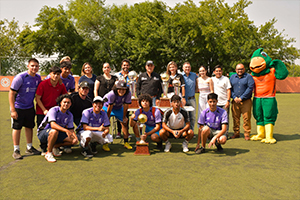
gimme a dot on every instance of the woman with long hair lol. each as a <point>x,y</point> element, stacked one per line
<point>88,76</point>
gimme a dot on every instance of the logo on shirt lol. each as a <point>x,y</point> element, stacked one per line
<point>143,78</point>
<point>66,120</point>
<point>155,78</point>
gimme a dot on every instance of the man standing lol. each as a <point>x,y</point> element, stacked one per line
<point>66,77</point>
<point>47,93</point>
<point>94,128</point>
<point>176,124</point>
<point>222,88</point>
<point>212,125</point>
<point>190,79</point>
<point>57,128</point>
<point>20,96</point>
<point>241,92</point>
<point>150,82</point>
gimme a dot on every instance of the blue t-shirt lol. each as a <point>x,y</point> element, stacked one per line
<point>94,120</point>
<point>64,120</point>
<point>213,119</point>
<point>25,86</point>
<point>91,82</point>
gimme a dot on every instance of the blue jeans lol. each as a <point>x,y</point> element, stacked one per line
<point>192,114</point>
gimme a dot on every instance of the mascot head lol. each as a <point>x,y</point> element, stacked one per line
<point>260,61</point>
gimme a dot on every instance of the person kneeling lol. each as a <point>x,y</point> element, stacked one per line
<point>94,128</point>
<point>212,125</point>
<point>57,128</point>
<point>153,124</point>
<point>176,124</point>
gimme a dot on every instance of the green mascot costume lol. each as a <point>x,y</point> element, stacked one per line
<point>265,71</point>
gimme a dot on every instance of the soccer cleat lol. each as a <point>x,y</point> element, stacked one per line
<point>127,145</point>
<point>32,151</point>
<point>67,150</point>
<point>219,147</point>
<point>168,146</point>
<point>200,150</point>
<point>105,147</point>
<point>56,152</point>
<point>17,155</point>
<point>49,157</point>
<point>87,153</point>
<point>93,147</point>
<point>185,146</point>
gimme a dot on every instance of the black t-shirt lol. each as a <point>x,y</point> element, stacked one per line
<point>105,84</point>
<point>78,104</point>
<point>149,85</point>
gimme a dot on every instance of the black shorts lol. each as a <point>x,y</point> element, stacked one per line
<point>172,136</point>
<point>25,118</point>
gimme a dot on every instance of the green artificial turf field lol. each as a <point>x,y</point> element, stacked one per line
<point>246,169</point>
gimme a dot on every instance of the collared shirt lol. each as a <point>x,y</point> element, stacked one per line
<point>120,75</point>
<point>190,84</point>
<point>213,119</point>
<point>149,85</point>
<point>242,87</point>
<point>176,121</point>
<point>151,120</point>
<point>25,86</point>
<point>94,120</point>
<point>69,82</point>
<point>116,100</point>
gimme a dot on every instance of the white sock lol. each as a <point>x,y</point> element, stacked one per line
<point>16,147</point>
<point>29,145</point>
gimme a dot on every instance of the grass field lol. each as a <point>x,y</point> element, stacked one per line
<point>246,169</point>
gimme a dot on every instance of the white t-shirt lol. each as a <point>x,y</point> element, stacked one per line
<point>221,85</point>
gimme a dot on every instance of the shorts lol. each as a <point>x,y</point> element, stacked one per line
<point>25,118</point>
<point>96,136</point>
<point>43,136</point>
<point>150,128</point>
<point>172,136</point>
<point>118,113</point>
<point>214,132</point>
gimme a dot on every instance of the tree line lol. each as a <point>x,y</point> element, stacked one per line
<point>89,31</point>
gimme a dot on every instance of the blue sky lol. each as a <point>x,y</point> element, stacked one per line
<point>287,12</point>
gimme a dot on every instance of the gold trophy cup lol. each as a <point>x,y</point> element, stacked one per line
<point>142,146</point>
<point>165,101</point>
<point>132,75</point>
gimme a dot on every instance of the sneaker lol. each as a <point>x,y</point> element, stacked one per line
<point>185,146</point>
<point>105,147</point>
<point>93,147</point>
<point>32,151</point>
<point>159,145</point>
<point>127,145</point>
<point>168,146</point>
<point>118,136</point>
<point>129,136</point>
<point>87,153</point>
<point>56,152</point>
<point>17,155</point>
<point>43,153</point>
<point>200,150</point>
<point>49,157</point>
<point>219,147</point>
<point>67,150</point>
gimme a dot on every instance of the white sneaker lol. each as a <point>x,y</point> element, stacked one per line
<point>185,146</point>
<point>56,152</point>
<point>67,150</point>
<point>168,146</point>
<point>49,157</point>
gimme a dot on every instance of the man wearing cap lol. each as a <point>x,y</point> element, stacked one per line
<point>47,93</point>
<point>116,105</point>
<point>94,128</point>
<point>150,82</point>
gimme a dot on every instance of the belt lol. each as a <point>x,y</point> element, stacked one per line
<point>193,97</point>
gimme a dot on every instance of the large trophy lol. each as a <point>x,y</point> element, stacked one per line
<point>176,83</point>
<point>132,75</point>
<point>165,101</point>
<point>142,146</point>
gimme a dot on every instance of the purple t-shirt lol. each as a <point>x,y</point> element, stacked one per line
<point>64,120</point>
<point>151,121</point>
<point>94,120</point>
<point>25,86</point>
<point>69,82</point>
<point>213,119</point>
<point>117,100</point>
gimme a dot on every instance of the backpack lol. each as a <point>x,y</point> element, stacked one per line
<point>153,111</point>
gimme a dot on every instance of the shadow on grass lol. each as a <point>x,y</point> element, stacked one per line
<point>281,137</point>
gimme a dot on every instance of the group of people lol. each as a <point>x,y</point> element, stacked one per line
<point>59,107</point>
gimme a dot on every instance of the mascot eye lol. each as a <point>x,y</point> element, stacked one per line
<point>264,54</point>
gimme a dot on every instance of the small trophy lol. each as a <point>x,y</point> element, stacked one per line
<point>132,75</point>
<point>165,101</point>
<point>142,146</point>
<point>176,83</point>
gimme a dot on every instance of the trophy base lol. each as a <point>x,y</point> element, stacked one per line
<point>142,149</point>
<point>134,103</point>
<point>164,102</point>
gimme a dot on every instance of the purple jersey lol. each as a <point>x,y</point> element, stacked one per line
<point>25,86</point>
<point>69,82</point>
<point>151,120</point>
<point>64,120</point>
<point>117,100</point>
<point>213,119</point>
<point>94,120</point>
